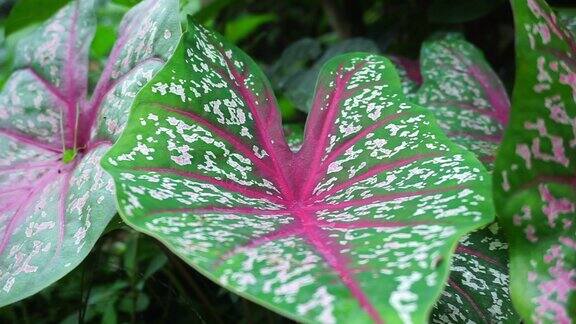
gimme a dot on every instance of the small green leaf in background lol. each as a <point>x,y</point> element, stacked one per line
<point>287,109</point>
<point>104,39</point>
<point>128,305</point>
<point>28,12</point>
<point>208,12</point>
<point>126,3</point>
<point>567,17</point>
<point>243,26</point>
<point>296,77</point>
<point>295,59</point>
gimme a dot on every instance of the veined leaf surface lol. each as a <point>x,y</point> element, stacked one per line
<point>55,200</point>
<point>357,226</point>
<point>466,96</point>
<point>477,290</point>
<point>471,105</point>
<point>534,173</point>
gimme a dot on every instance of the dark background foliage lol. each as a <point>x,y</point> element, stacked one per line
<point>130,277</point>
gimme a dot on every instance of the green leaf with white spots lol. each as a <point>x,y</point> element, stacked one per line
<point>351,228</point>
<point>55,200</point>
<point>477,290</point>
<point>534,180</point>
<point>465,95</point>
<point>471,105</point>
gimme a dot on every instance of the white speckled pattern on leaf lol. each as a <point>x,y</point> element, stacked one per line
<point>354,227</point>
<point>465,95</point>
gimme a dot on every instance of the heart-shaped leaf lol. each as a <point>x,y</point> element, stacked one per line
<point>534,172</point>
<point>55,200</point>
<point>466,96</point>
<point>357,226</point>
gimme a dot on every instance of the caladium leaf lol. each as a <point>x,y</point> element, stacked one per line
<point>534,172</point>
<point>55,200</point>
<point>357,226</point>
<point>466,96</point>
<point>477,290</point>
<point>471,105</point>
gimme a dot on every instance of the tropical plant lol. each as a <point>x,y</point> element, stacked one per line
<point>146,173</point>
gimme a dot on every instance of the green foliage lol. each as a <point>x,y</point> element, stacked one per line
<point>296,72</point>
<point>243,26</point>
<point>457,11</point>
<point>131,277</point>
<point>126,3</point>
<point>28,12</point>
